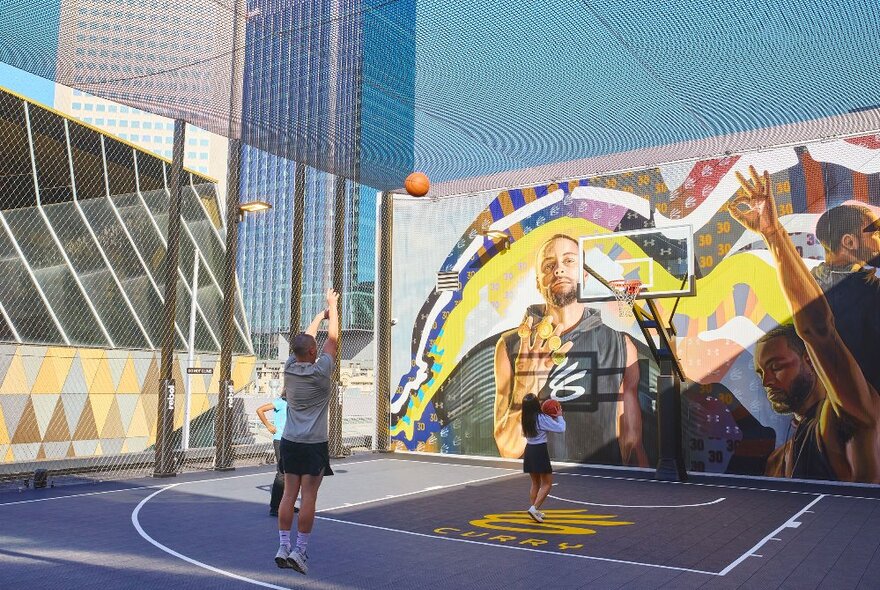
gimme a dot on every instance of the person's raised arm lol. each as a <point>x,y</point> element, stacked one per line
<point>332,343</point>
<point>847,389</point>
<point>551,423</point>
<point>312,329</point>
<point>261,414</point>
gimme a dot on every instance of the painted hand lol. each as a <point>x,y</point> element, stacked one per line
<point>755,207</point>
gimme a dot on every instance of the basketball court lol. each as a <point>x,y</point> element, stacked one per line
<point>397,520</point>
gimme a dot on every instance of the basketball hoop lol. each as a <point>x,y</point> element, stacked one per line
<point>625,291</point>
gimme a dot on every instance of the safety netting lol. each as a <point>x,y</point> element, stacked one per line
<point>476,93</point>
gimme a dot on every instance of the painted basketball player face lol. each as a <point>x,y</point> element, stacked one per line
<point>787,376</point>
<point>869,240</point>
<point>558,271</point>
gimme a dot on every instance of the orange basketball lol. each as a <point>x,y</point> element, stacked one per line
<point>551,407</point>
<point>417,184</point>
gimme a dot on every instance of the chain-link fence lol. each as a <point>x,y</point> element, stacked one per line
<point>83,236</point>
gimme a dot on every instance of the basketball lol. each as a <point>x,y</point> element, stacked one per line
<point>551,407</point>
<point>417,184</point>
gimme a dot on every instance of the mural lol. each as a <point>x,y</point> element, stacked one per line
<point>778,344</point>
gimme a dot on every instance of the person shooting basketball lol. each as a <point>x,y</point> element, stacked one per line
<point>562,350</point>
<point>805,367</point>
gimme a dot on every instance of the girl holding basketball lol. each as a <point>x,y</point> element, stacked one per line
<point>536,458</point>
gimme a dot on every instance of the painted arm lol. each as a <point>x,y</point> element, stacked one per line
<point>508,407</point>
<point>512,383</point>
<point>629,422</point>
<point>847,389</point>
<point>261,413</point>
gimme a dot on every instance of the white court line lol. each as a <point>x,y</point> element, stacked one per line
<point>719,500</point>
<point>790,523</point>
<point>717,485</point>
<point>430,489</point>
<point>458,464</point>
<point>648,470</point>
<point>195,562</point>
<point>216,570</point>
<point>152,487</point>
<point>589,557</point>
<point>77,495</point>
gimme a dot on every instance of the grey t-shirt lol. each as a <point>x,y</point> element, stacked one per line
<point>308,387</point>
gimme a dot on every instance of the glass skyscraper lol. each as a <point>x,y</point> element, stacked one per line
<point>311,75</point>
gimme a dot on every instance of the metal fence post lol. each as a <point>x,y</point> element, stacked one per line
<point>382,315</point>
<point>164,465</point>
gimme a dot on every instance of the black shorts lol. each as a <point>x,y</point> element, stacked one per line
<point>305,458</point>
<point>536,459</point>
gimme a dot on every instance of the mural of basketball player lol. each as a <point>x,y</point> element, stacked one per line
<point>564,351</point>
<point>806,368</point>
<point>850,234</point>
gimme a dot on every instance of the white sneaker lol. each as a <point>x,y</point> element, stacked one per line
<point>299,561</point>
<point>536,516</point>
<point>282,556</point>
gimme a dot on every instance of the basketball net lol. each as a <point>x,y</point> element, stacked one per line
<point>625,291</point>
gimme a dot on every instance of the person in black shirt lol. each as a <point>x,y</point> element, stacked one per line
<point>850,234</point>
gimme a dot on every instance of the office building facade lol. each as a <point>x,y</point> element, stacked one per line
<point>83,229</point>
<point>321,64</point>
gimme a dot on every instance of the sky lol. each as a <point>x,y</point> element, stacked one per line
<point>33,87</point>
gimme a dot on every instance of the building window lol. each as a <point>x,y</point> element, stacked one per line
<point>135,124</point>
<point>89,107</point>
<point>123,123</point>
<point>100,108</point>
<point>76,106</point>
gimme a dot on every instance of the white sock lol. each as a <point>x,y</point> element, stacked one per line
<point>532,508</point>
<point>284,538</point>
<point>302,540</point>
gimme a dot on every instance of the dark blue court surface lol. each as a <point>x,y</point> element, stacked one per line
<point>405,521</point>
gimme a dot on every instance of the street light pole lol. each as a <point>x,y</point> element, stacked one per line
<point>335,414</point>
<point>223,457</point>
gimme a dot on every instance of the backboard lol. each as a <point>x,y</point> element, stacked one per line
<point>662,258</point>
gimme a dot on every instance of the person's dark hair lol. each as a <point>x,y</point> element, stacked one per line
<point>531,407</point>
<point>839,221</point>
<point>302,344</point>
<point>788,332</point>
